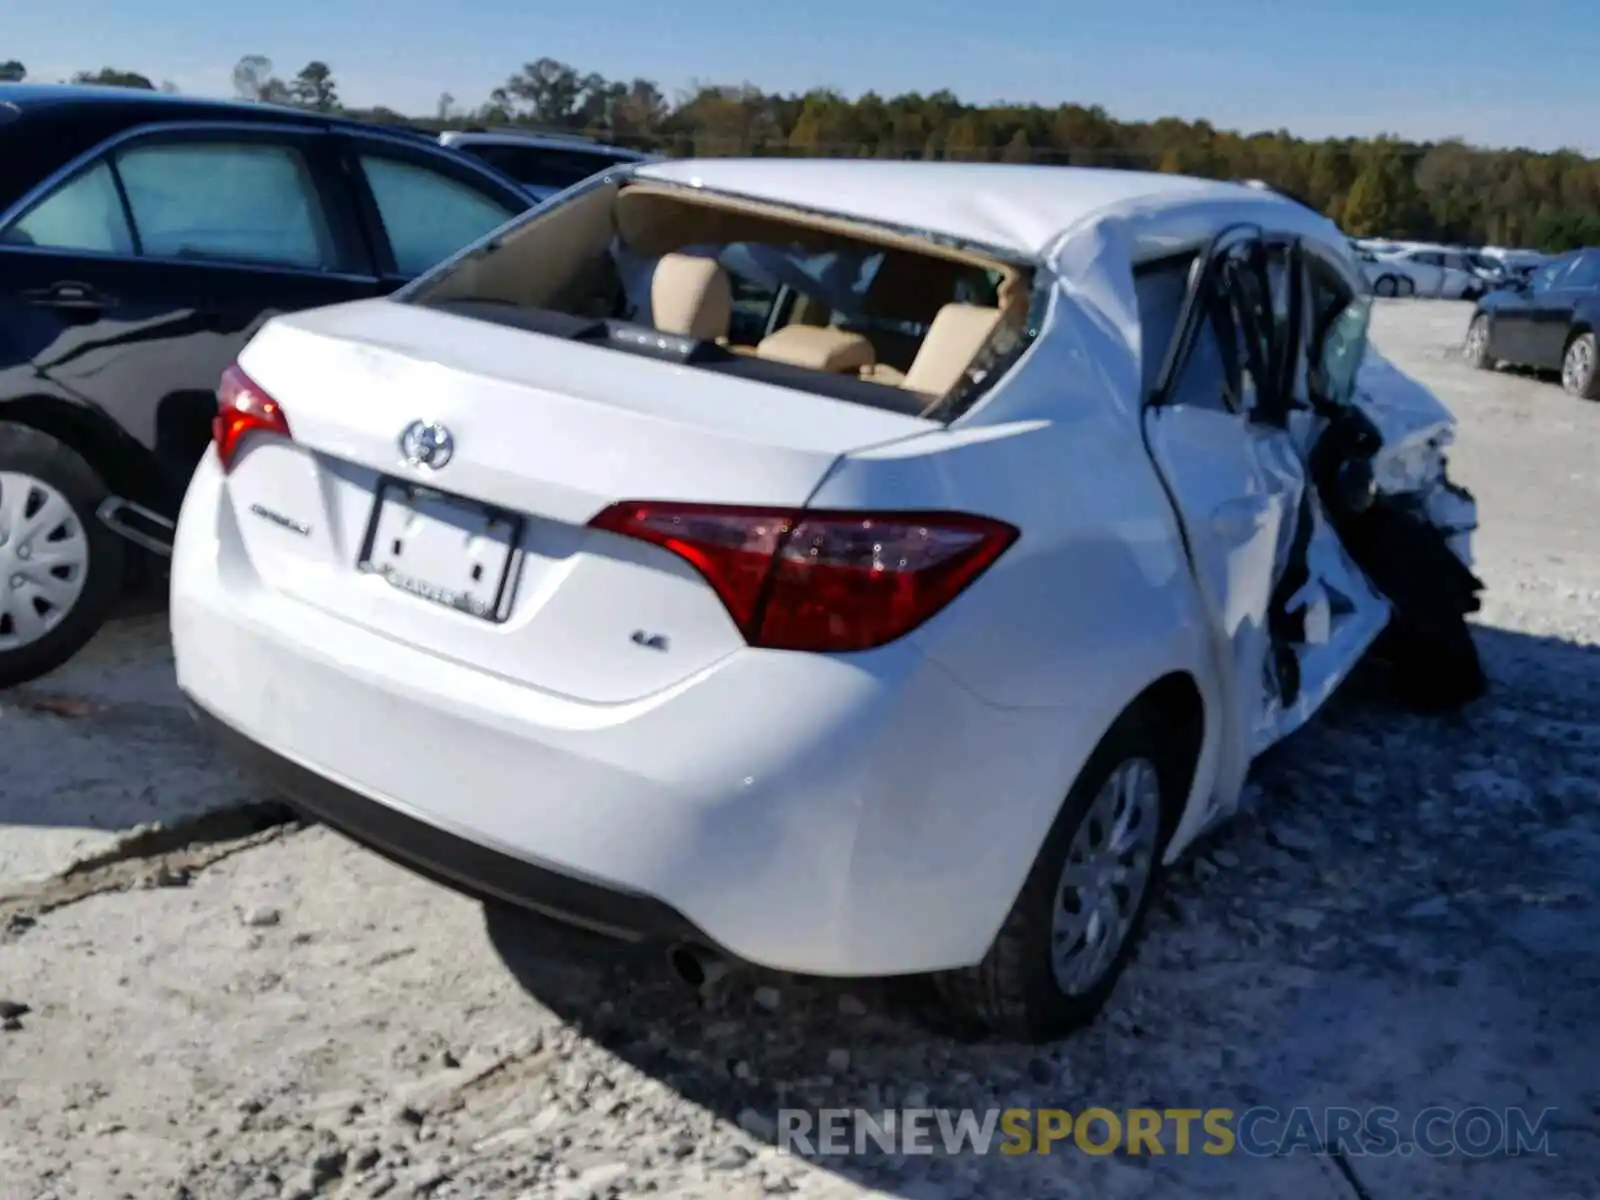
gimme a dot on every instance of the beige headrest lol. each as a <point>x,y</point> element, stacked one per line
<point>953,340</point>
<point>691,296</point>
<point>821,348</point>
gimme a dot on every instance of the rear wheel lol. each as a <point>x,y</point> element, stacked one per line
<point>1476,347</point>
<point>1074,925</point>
<point>1578,368</point>
<point>61,569</point>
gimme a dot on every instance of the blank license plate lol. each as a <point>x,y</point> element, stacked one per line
<point>444,550</point>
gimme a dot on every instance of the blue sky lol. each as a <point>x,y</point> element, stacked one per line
<point>1498,72</point>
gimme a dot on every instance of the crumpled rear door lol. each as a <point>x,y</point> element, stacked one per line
<point>1293,613</point>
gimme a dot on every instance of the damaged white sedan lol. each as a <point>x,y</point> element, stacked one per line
<point>854,568</point>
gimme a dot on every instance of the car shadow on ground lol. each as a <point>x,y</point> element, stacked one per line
<point>1402,916</point>
<point>104,745</point>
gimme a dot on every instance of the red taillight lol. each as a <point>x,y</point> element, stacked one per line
<point>243,408</point>
<point>796,579</point>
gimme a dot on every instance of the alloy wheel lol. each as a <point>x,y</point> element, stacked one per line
<point>1108,869</point>
<point>1577,366</point>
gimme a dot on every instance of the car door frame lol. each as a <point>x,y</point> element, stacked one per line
<point>1235,651</point>
<point>350,144</point>
<point>1255,718</point>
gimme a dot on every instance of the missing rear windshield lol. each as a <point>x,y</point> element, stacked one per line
<point>746,289</point>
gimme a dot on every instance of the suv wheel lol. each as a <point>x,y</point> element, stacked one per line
<point>61,569</point>
<point>1074,925</point>
<point>1578,368</point>
<point>1476,347</point>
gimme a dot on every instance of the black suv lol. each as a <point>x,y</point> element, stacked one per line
<point>143,239</point>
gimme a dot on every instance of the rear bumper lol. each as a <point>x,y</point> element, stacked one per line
<point>457,862</point>
<point>839,816</point>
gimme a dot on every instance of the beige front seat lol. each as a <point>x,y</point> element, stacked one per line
<point>953,340</point>
<point>691,297</point>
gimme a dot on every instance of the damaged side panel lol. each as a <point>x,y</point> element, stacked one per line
<point>1250,519</point>
<point>1336,616</point>
<point>1293,611</point>
<point>1306,475</point>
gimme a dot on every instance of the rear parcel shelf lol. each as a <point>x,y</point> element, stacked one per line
<point>646,342</point>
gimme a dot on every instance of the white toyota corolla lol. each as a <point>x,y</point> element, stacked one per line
<point>855,568</point>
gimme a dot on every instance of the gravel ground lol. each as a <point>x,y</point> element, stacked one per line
<point>220,1004</point>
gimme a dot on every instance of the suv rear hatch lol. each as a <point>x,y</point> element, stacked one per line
<point>486,558</point>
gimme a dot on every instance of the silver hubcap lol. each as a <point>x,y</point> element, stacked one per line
<point>1578,366</point>
<point>1106,875</point>
<point>44,559</point>
<point>1477,335</point>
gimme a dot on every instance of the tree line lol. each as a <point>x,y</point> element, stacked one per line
<point>1386,186</point>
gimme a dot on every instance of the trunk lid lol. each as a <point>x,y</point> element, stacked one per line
<point>486,559</point>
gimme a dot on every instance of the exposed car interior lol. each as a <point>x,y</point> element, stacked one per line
<point>902,319</point>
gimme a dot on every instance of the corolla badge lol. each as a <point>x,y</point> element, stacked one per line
<point>427,444</point>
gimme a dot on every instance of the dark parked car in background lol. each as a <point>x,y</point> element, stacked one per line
<point>143,240</point>
<point>1547,322</point>
<point>544,163</point>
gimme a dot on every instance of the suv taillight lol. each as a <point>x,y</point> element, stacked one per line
<point>243,408</point>
<point>797,579</point>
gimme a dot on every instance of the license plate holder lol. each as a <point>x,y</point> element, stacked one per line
<point>443,549</point>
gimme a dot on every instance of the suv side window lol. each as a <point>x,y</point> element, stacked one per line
<point>1546,276</point>
<point>84,214</point>
<point>1430,258</point>
<point>244,201</point>
<point>1585,272</point>
<point>427,215</point>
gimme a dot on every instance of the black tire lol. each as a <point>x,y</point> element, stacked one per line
<point>1580,367</point>
<point>1476,348</point>
<point>1013,992</point>
<point>1404,287</point>
<point>27,452</point>
<point>1385,286</point>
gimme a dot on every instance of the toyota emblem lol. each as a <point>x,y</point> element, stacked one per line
<point>427,444</point>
